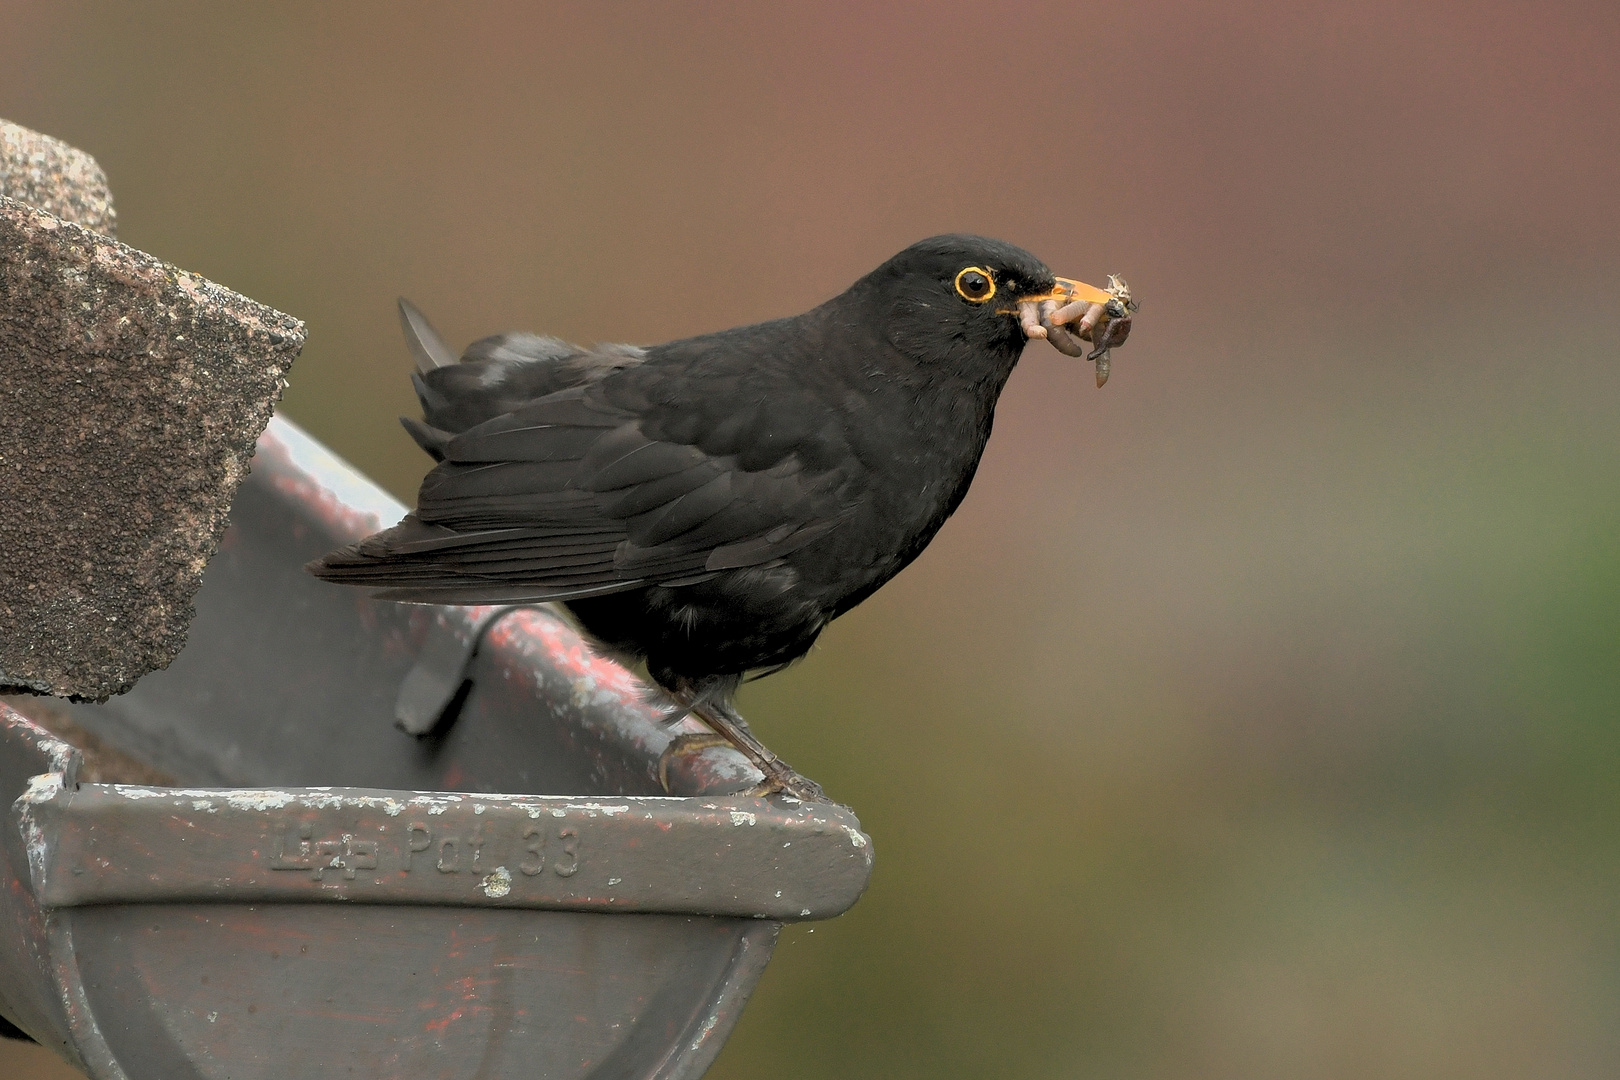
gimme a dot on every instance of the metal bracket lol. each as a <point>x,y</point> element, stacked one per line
<point>431,694</point>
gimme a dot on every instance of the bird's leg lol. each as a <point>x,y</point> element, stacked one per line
<point>710,703</point>
<point>692,742</point>
<point>779,776</point>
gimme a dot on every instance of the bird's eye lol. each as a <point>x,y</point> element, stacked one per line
<point>975,284</point>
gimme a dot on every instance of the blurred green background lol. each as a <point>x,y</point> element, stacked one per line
<point>1257,716</point>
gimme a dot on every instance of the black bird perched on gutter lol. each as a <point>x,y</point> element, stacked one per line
<point>712,504</point>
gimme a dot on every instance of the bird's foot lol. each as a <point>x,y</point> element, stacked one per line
<point>732,730</point>
<point>784,779</point>
<point>682,745</point>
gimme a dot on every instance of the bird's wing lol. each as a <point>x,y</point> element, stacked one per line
<point>586,492</point>
<point>494,376</point>
<point>500,374</point>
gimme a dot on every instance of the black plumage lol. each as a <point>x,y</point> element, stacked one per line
<point>710,504</point>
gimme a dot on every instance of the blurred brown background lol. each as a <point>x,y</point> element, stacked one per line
<point>1257,715</point>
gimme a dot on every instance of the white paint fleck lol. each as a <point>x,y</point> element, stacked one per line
<point>478,808</point>
<point>703,1032</point>
<point>203,804</point>
<point>497,883</point>
<point>435,810</point>
<point>606,809</point>
<point>558,813</point>
<point>42,788</point>
<point>805,911</point>
<point>614,880</point>
<point>60,754</point>
<point>260,800</point>
<point>855,837</point>
<point>33,834</point>
<point>779,894</point>
<point>212,1017</point>
<point>743,817</point>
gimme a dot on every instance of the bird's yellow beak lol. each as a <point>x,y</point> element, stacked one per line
<point>1067,291</point>
<point>1064,291</point>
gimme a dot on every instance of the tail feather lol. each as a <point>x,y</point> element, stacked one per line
<point>424,342</point>
<point>426,563</point>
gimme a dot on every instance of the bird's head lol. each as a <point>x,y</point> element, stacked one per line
<point>954,299</point>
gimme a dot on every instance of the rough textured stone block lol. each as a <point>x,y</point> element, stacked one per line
<point>48,173</point>
<point>131,393</point>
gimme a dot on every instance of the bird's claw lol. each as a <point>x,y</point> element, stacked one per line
<point>792,784</point>
<point>682,745</point>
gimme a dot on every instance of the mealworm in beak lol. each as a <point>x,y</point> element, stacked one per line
<point>1029,318</point>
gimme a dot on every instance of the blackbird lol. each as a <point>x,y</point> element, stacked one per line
<point>709,505</point>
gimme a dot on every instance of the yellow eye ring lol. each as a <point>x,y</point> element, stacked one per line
<point>975,285</point>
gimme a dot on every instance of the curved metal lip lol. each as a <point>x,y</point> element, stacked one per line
<point>761,858</point>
